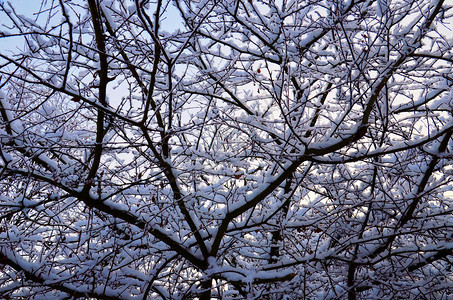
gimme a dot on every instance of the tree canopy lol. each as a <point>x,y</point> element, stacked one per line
<point>232,149</point>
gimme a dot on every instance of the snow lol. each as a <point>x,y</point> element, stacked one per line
<point>15,124</point>
<point>129,230</point>
<point>108,14</point>
<point>132,8</point>
<point>308,38</point>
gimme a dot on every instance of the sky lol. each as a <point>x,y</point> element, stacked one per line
<point>24,7</point>
<point>29,9</point>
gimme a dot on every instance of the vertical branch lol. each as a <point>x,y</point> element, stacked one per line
<point>102,96</point>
